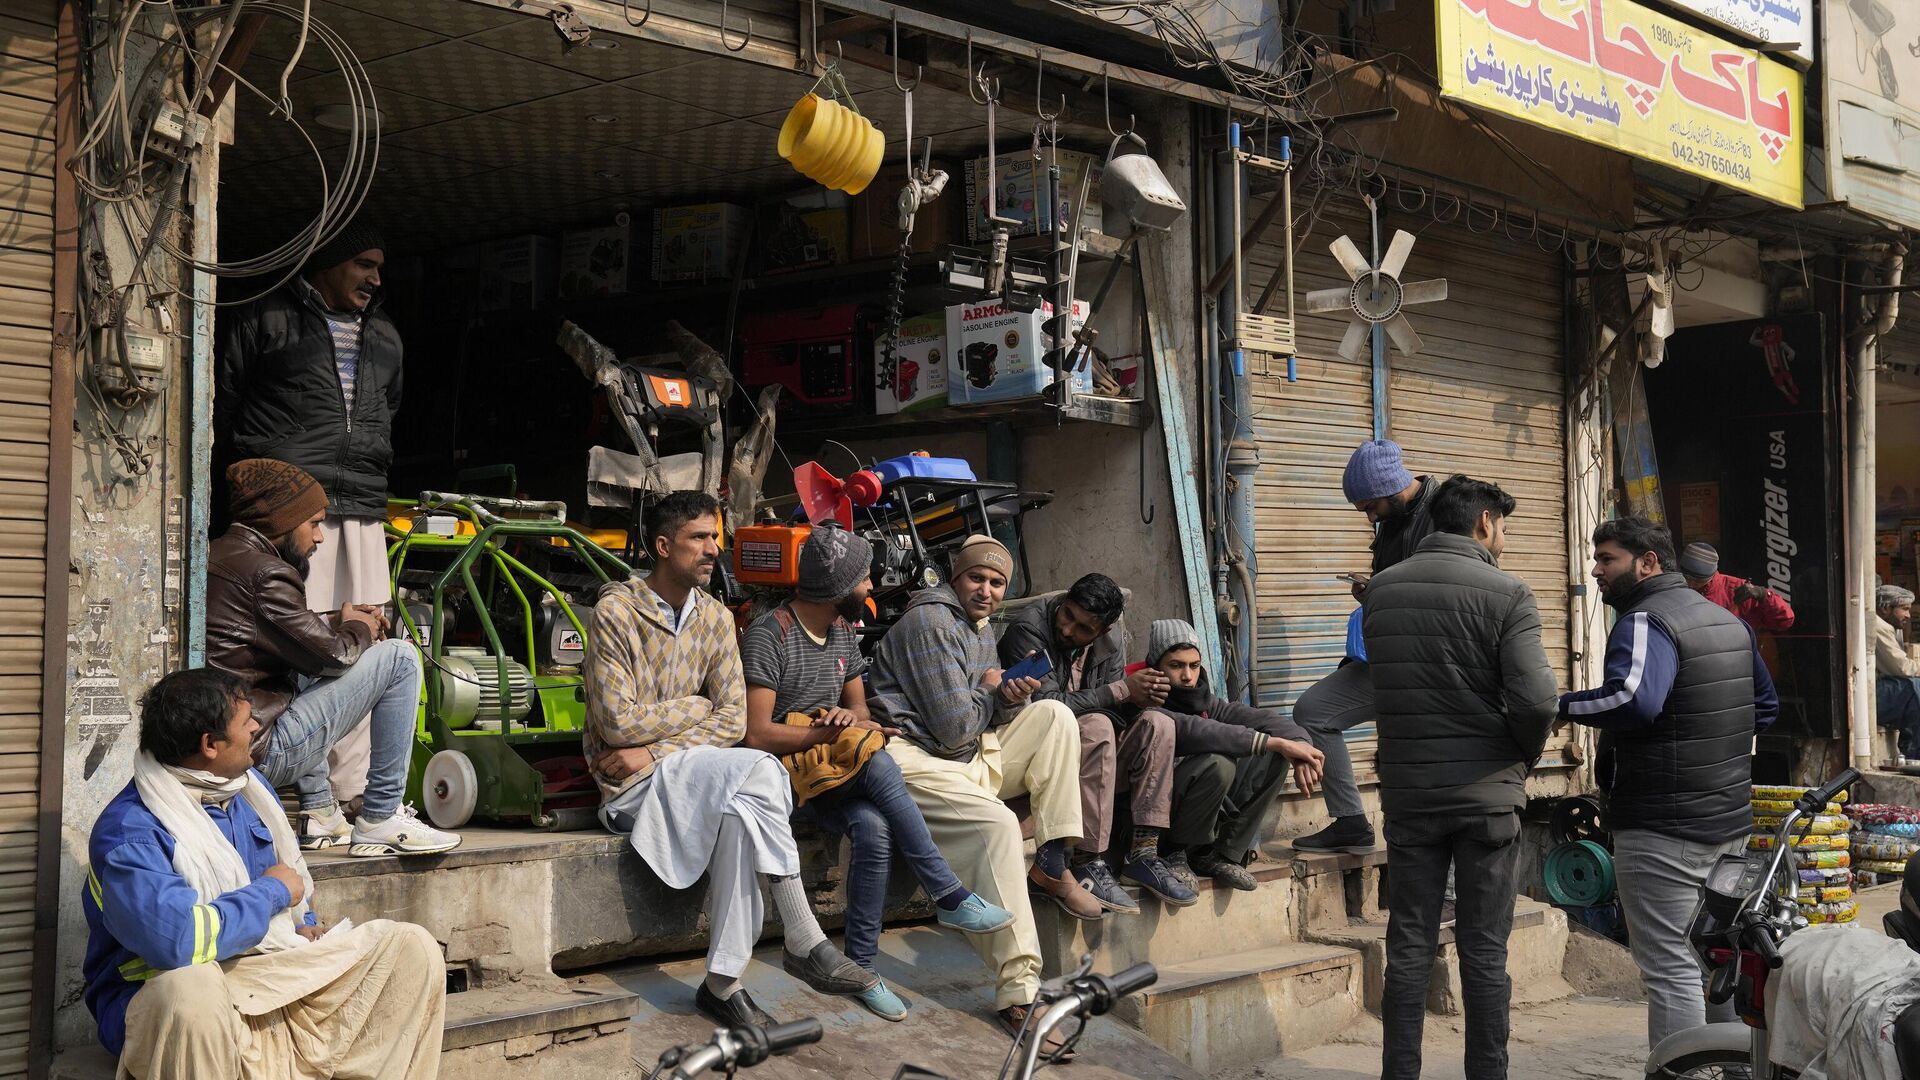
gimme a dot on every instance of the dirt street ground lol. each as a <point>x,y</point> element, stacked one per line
<point>1581,1038</point>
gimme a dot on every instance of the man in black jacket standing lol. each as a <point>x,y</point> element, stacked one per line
<point>1076,632</point>
<point>1685,691</point>
<point>1398,505</point>
<point>310,375</point>
<point>1465,697</point>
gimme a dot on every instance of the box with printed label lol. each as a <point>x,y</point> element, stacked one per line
<point>596,262</point>
<point>996,354</point>
<point>1024,193</point>
<point>918,380</point>
<point>795,239</point>
<point>696,243</point>
<point>517,272</point>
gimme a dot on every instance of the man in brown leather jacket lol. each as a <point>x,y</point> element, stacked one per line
<point>312,678</point>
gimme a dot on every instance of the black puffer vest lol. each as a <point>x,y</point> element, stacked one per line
<point>1690,773</point>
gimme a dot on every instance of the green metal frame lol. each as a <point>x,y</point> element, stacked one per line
<point>508,785</point>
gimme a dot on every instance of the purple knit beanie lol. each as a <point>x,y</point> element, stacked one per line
<point>1375,472</point>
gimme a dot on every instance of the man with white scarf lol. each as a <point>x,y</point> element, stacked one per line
<point>204,957</point>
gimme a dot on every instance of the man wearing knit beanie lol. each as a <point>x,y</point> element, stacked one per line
<point>312,679</point>
<point>802,659</point>
<point>971,739</point>
<point>1233,761</point>
<point>310,375</point>
<point>1397,504</point>
<point>1755,604</point>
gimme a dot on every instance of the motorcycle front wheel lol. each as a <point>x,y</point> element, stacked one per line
<point>1718,1065</point>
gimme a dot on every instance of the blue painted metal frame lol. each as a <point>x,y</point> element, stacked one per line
<point>199,421</point>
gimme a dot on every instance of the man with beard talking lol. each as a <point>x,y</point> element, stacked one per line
<point>311,678</point>
<point>1685,691</point>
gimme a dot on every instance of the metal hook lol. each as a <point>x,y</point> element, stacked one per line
<point>1106,106</point>
<point>1040,71</point>
<point>980,78</point>
<point>744,42</point>
<point>813,25</point>
<point>918,70</point>
<point>626,8</point>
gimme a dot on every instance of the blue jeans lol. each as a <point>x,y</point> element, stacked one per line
<point>1899,701</point>
<point>384,681</point>
<point>875,813</point>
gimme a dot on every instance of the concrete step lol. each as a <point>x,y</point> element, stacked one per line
<point>1224,921</point>
<point>1536,951</point>
<point>1229,1012</point>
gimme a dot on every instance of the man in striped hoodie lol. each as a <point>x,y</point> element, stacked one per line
<point>666,706</point>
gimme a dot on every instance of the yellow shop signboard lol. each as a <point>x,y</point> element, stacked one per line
<point>1627,76</point>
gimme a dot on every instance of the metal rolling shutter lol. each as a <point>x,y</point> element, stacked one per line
<point>26,322</point>
<point>1483,397</point>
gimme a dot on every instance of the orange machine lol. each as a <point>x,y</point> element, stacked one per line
<point>769,555</point>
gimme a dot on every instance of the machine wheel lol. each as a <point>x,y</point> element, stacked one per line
<point>1711,1065</point>
<point>1579,874</point>
<point>450,789</point>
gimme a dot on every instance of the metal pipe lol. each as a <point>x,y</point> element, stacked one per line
<point>1243,456</point>
<point>1861,515</point>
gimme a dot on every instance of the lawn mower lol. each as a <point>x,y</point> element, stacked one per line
<point>497,595</point>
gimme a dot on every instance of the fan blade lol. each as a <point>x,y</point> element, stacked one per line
<point>1325,300</point>
<point>1397,252</point>
<point>1350,259</point>
<point>1401,331</point>
<point>1423,292</point>
<point>1355,343</point>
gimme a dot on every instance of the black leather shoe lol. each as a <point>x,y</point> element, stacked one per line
<point>736,1011</point>
<point>828,970</point>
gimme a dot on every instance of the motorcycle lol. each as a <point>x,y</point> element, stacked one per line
<point>1748,906</point>
<point>1078,996</point>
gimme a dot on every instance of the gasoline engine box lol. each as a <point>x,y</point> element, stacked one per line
<point>597,261</point>
<point>918,380</point>
<point>795,239</point>
<point>517,273</point>
<point>1025,195</point>
<point>995,354</point>
<point>696,243</point>
<point>873,217</point>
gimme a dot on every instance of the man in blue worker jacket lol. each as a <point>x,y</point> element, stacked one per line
<point>204,957</point>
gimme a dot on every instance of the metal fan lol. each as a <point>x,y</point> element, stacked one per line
<point>1377,296</point>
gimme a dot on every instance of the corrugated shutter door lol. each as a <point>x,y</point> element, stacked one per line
<point>26,322</point>
<point>1484,397</point>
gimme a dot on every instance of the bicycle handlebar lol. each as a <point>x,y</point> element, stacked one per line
<point>781,1038</point>
<point>1813,801</point>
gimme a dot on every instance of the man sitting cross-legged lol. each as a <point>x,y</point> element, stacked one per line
<point>204,958</point>
<point>1077,630</point>
<point>312,679</point>
<point>970,740</point>
<point>805,701</point>
<point>1233,762</point>
<point>665,706</point>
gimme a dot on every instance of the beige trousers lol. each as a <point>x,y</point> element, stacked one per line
<point>350,567</point>
<point>1037,755</point>
<point>379,1018</point>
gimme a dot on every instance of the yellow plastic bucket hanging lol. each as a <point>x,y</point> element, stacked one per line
<point>831,144</point>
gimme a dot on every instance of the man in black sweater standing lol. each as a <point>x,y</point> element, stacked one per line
<point>1465,697</point>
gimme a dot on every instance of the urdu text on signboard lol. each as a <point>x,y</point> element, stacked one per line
<point>1621,74</point>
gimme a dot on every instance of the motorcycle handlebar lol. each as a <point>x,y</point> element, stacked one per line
<point>1131,981</point>
<point>793,1035</point>
<point>1812,801</point>
<point>1762,943</point>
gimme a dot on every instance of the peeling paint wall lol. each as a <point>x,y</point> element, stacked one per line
<point>125,594</point>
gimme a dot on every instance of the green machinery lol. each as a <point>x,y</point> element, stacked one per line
<point>496,594</point>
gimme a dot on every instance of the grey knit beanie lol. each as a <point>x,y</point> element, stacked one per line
<point>1166,635</point>
<point>832,563</point>
<point>1375,472</point>
<point>1700,560</point>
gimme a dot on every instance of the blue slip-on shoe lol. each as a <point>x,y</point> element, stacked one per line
<point>882,1002</point>
<point>1151,873</point>
<point>976,916</point>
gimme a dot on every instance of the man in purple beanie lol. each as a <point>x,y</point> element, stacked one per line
<point>1396,503</point>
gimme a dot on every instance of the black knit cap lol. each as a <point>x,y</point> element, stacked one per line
<point>352,240</point>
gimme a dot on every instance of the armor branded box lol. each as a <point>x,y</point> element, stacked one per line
<point>997,354</point>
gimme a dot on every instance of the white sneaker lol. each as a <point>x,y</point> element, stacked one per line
<point>402,834</point>
<point>324,829</point>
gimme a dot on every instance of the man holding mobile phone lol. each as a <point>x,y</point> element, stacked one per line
<point>1120,751</point>
<point>1397,505</point>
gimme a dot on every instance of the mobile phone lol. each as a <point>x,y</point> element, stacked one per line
<point>1033,667</point>
<point>1351,579</point>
